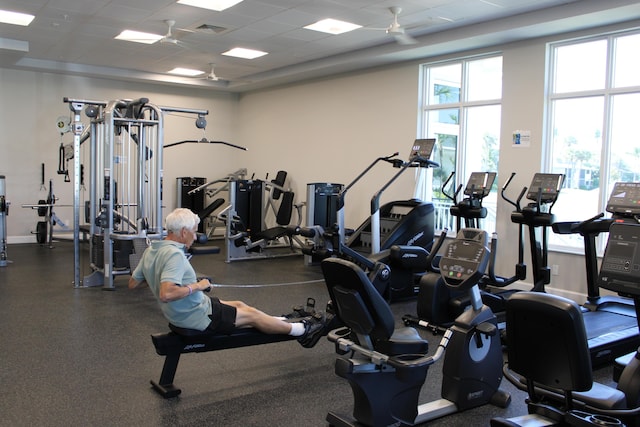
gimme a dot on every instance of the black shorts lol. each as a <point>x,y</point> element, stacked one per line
<point>223,317</point>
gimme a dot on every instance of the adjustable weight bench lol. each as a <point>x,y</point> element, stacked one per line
<point>180,341</point>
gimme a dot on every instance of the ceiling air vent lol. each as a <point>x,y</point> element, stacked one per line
<point>210,29</point>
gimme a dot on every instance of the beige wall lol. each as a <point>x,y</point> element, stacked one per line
<point>331,130</point>
<point>320,131</point>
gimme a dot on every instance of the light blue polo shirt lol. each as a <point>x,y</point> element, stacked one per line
<point>165,261</point>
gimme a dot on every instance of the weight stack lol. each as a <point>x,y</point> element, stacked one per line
<point>195,202</point>
<point>322,210</point>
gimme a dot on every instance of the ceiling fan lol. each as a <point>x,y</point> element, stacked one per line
<point>396,30</point>
<point>212,73</point>
<point>213,77</point>
<point>172,34</point>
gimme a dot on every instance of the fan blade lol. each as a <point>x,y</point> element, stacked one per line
<point>404,39</point>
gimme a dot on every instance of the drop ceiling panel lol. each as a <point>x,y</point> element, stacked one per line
<point>74,33</point>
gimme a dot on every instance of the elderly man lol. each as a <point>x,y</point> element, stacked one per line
<point>165,268</point>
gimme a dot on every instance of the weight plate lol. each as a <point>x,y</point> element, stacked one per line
<point>42,211</point>
<point>41,231</point>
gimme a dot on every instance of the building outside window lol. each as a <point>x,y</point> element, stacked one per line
<point>461,109</point>
<point>593,128</point>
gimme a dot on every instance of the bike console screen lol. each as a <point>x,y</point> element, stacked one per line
<point>465,259</point>
<point>620,270</point>
<point>421,149</point>
<point>479,184</point>
<point>624,199</point>
<point>547,185</point>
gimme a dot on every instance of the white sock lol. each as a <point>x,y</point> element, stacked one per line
<point>297,329</point>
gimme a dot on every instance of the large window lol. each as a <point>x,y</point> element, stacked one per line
<point>461,108</point>
<point>593,123</point>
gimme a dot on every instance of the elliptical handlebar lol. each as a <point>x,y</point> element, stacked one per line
<point>582,227</point>
<point>515,204</point>
<point>434,251</point>
<point>582,224</point>
<point>491,270</point>
<point>454,197</point>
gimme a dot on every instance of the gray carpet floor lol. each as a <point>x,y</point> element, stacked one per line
<point>83,356</point>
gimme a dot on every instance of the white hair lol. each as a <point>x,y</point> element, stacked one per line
<point>181,218</point>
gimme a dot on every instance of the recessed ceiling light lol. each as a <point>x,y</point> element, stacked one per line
<point>332,26</point>
<point>240,52</point>
<point>186,72</point>
<point>138,37</point>
<point>15,18</point>
<point>217,5</point>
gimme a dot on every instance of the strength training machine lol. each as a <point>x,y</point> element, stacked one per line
<point>4,212</point>
<point>387,367</point>
<point>247,235</point>
<point>125,185</point>
<point>45,209</point>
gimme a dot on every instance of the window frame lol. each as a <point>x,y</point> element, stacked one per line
<point>608,94</point>
<point>462,105</point>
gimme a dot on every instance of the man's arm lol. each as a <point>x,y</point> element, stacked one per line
<point>133,283</point>
<point>169,291</point>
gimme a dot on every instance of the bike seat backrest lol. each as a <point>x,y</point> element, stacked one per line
<point>359,305</point>
<point>547,342</point>
<point>286,208</point>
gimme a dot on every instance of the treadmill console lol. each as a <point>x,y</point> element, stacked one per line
<point>465,259</point>
<point>421,149</point>
<point>547,185</point>
<point>620,270</point>
<point>479,184</point>
<point>624,199</point>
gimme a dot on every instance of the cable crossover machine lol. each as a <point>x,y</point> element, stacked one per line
<point>125,181</point>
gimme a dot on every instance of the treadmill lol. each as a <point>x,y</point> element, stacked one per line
<point>620,273</point>
<point>610,321</point>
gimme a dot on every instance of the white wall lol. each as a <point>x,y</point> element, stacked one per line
<point>321,131</point>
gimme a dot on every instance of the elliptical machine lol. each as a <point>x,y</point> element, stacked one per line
<point>440,305</point>
<point>470,208</point>
<point>387,367</point>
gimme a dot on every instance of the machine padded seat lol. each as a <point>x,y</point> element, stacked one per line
<point>210,208</point>
<point>547,347</point>
<point>283,218</point>
<point>361,307</point>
